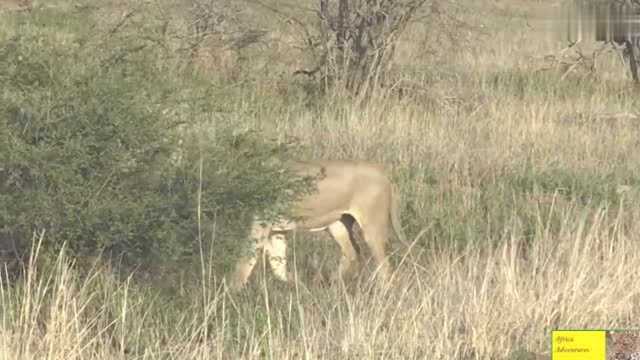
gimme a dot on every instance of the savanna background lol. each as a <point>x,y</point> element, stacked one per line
<point>138,137</point>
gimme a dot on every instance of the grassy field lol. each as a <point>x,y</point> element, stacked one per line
<point>522,172</point>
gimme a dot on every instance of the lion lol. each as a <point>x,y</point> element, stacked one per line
<point>347,191</point>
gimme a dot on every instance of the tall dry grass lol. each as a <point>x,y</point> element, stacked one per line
<point>480,302</point>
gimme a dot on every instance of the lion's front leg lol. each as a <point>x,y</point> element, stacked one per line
<point>259,239</point>
<point>243,270</point>
<point>276,252</point>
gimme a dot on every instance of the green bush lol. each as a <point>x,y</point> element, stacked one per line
<point>87,146</point>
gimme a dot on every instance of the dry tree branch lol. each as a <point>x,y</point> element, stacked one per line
<point>291,19</point>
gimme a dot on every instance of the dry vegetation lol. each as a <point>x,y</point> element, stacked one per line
<point>525,184</point>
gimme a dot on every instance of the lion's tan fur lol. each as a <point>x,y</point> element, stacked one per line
<point>359,189</point>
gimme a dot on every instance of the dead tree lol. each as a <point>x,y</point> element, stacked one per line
<point>357,40</point>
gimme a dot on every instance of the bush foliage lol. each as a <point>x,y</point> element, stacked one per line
<point>88,144</point>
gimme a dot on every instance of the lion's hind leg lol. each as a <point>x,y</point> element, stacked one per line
<point>342,236</point>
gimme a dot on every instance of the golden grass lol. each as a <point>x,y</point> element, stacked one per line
<point>480,302</point>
